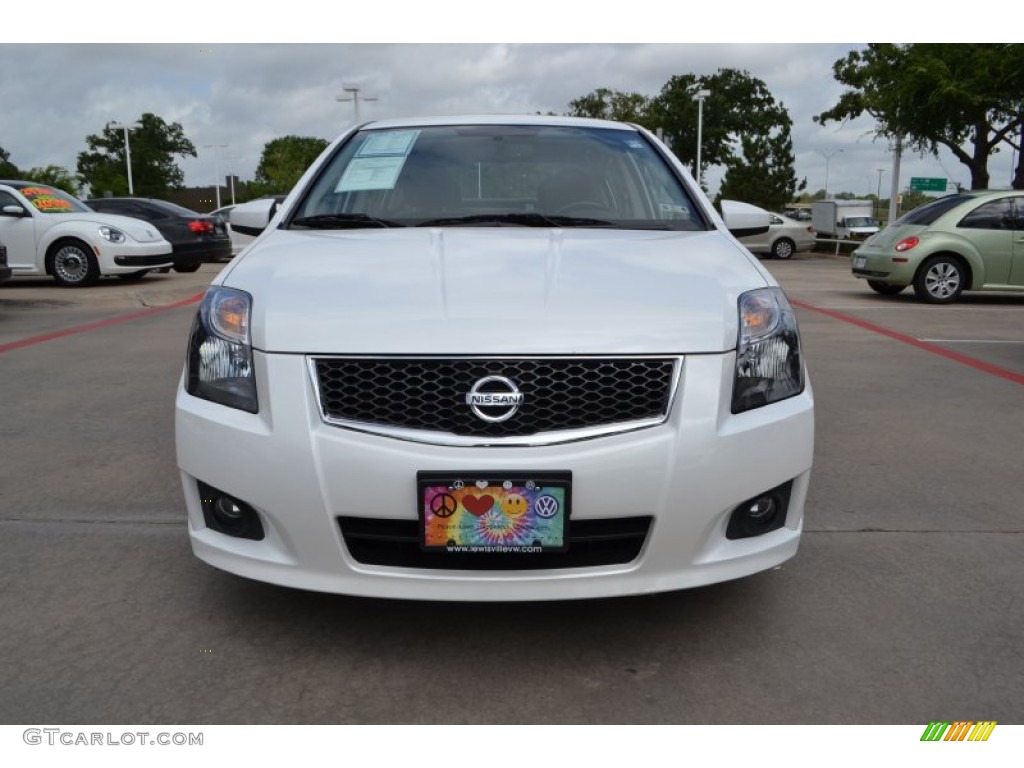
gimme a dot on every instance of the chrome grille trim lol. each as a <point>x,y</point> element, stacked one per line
<point>551,437</point>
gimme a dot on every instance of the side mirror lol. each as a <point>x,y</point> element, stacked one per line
<point>253,217</point>
<point>13,210</point>
<point>744,219</point>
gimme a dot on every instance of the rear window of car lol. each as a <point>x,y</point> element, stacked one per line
<point>929,213</point>
<point>415,175</point>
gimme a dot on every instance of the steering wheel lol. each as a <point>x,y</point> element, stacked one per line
<point>583,205</point>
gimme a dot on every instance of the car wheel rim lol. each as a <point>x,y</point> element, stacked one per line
<point>784,250</point>
<point>942,280</point>
<point>71,264</point>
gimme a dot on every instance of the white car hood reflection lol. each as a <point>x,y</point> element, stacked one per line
<point>500,291</point>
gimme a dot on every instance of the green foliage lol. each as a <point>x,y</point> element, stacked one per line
<point>54,176</point>
<point>937,95</point>
<point>739,114</point>
<point>607,104</point>
<point>764,174</point>
<point>153,148</point>
<point>283,162</point>
<point>8,170</point>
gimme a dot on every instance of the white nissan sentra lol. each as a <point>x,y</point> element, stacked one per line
<point>495,358</point>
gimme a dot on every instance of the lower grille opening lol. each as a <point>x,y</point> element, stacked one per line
<point>614,541</point>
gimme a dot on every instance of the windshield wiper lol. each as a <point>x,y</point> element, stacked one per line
<point>516,220</point>
<point>343,221</point>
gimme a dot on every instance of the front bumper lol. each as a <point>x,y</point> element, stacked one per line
<point>124,258</point>
<point>301,475</point>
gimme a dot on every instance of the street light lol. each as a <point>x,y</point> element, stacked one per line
<point>878,195</point>
<point>127,151</point>
<point>828,159</point>
<point>216,168</point>
<point>354,89</point>
<point>699,97</point>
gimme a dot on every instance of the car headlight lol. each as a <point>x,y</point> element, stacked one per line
<point>769,366</point>
<point>219,365</point>
<point>112,235</point>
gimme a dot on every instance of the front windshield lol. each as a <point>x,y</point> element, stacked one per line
<point>51,200</point>
<point>498,175</point>
<point>860,221</point>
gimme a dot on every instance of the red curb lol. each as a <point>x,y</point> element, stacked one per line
<point>33,340</point>
<point>979,365</point>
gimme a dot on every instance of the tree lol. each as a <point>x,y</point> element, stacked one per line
<point>8,170</point>
<point>739,112</point>
<point>54,176</point>
<point>764,175</point>
<point>284,160</point>
<point>739,107</point>
<point>612,105</point>
<point>938,95</point>
<point>153,149</point>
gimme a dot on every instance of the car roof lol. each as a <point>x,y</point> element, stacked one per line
<point>552,120</point>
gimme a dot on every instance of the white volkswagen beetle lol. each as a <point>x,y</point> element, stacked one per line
<point>49,232</point>
<point>495,358</point>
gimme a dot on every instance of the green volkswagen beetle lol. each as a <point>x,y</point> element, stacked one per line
<point>967,241</point>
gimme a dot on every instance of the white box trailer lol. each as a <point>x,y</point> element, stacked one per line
<point>844,219</point>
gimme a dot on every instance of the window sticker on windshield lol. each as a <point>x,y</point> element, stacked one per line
<point>46,200</point>
<point>388,143</point>
<point>370,173</point>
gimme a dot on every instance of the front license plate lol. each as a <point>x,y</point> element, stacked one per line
<point>494,513</point>
<point>859,262</point>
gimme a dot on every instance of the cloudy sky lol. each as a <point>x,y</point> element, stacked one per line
<point>54,92</point>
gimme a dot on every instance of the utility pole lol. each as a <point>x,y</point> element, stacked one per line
<point>216,168</point>
<point>897,154</point>
<point>354,89</point>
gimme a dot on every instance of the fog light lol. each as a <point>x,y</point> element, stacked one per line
<point>761,514</point>
<point>227,510</point>
<point>762,509</point>
<point>226,514</point>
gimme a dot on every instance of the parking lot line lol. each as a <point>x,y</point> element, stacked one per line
<point>33,340</point>
<point>979,365</point>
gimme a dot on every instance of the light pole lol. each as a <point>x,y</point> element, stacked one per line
<point>878,195</point>
<point>353,89</point>
<point>828,159</point>
<point>216,168</point>
<point>127,151</point>
<point>231,174</point>
<point>699,97</point>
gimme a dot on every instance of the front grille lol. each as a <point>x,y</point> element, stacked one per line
<point>429,394</point>
<point>396,543</point>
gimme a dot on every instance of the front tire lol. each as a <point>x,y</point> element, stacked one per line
<point>783,248</point>
<point>73,265</point>
<point>192,266</point>
<point>940,280</point>
<point>884,288</point>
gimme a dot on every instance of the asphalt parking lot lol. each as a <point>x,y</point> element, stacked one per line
<point>902,606</point>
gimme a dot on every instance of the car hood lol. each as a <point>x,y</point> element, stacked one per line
<point>137,229</point>
<point>494,291</point>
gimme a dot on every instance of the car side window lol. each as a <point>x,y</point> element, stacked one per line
<point>996,214</point>
<point>6,198</point>
<point>773,219</point>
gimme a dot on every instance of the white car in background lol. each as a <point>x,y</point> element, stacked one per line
<point>49,232</point>
<point>242,235</point>
<point>495,358</point>
<point>785,237</point>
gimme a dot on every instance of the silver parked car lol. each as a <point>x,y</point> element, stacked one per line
<point>785,236</point>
